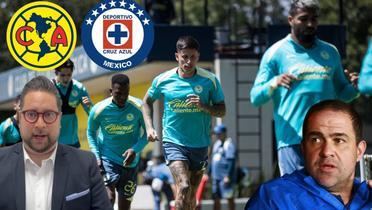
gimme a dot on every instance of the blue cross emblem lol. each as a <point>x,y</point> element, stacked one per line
<point>117,34</point>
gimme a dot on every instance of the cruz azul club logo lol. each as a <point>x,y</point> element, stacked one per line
<point>41,36</point>
<point>117,34</point>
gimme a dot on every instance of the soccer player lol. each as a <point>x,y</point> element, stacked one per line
<point>191,96</point>
<point>72,93</point>
<point>116,135</point>
<point>9,129</point>
<point>297,72</point>
<point>365,81</point>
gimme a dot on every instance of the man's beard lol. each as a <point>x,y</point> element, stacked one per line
<point>49,145</point>
<point>306,38</point>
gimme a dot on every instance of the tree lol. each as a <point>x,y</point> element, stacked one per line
<point>238,16</point>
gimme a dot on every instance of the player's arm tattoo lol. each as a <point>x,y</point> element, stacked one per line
<point>216,110</point>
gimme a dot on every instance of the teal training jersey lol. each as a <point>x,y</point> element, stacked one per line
<point>69,123</point>
<point>365,77</point>
<point>112,130</point>
<point>9,134</point>
<point>320,77</point>
<point>183,124</point>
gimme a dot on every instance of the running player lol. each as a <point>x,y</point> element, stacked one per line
<point>72,93</point>
<point>297,72</point>
<point>116,135</point>
<point>9,130</point>
<point>191,96</point>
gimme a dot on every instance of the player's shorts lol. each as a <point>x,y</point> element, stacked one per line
<point>290,159</point>
<point>124,179</point>
<point>196,158</point>
<point>220,190</point>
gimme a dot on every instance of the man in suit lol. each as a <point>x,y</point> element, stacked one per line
<point>40,173</point>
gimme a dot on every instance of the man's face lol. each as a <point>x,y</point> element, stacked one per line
<point>64,76</point>
<point>119,94</point>
<point>330,149</point>
<point>304,24</point>
<point>39,137</point>
<point>187,59</point>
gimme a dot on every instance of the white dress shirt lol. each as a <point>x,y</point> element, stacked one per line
<point>39,182</point>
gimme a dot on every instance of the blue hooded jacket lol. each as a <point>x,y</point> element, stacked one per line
<point>300,191</point>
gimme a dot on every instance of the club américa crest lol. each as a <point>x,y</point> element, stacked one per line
<point>117,34</point>
<point>41,36</point>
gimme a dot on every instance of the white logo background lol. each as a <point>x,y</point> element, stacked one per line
<point>112,39</point>
<point>137,34</point>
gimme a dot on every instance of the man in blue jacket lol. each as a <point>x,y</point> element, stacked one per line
<point>332,145</point>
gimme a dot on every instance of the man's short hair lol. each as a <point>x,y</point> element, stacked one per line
<point>68,64</point>
<point>18,98</point>
<point>339,106</point>
<point>187,42</point>
<point>303,5</point>
<point>40,83</point>
<point>121,79</point>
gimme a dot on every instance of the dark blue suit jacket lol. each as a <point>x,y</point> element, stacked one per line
<point>77,183</point>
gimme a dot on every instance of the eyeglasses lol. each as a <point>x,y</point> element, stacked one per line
<point>32,116</point>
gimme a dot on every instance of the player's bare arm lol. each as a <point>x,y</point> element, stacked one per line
<point>216,110</point>
<point>147,111</point>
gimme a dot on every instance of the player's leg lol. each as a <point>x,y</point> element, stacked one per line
<point>126,187</point>
<point>227,192</point>
<point>167,189</point>
<point>178,163</point>
<point>216,194</point>
<point>195,178</point>
<point>290,159</point>
<point>231,203</point>
<point>157,199</point>
<point>217,204</point>
<point>111,193</point>
<point>198,163</point>
<point>111,178</point>
<point>124,203</point>
<point>181,175</point>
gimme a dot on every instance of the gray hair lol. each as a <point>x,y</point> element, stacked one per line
<point>40,83</point>
<point>303,4</point>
